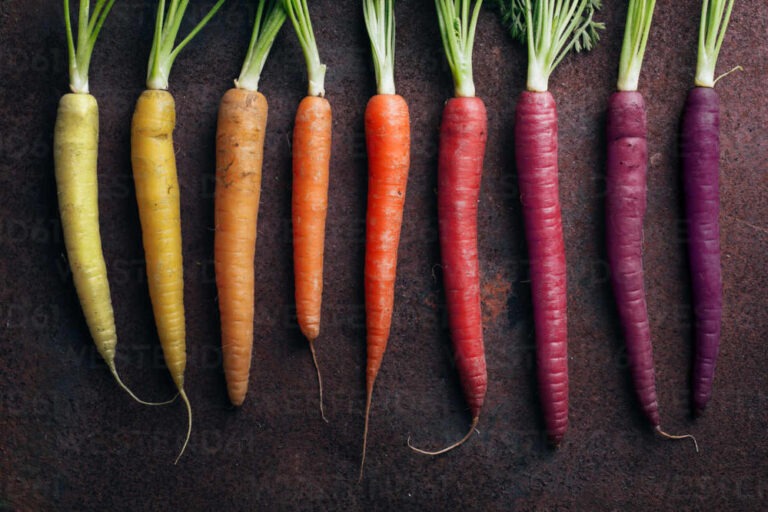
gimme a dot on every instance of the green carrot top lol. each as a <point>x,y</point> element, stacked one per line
<point>270,16</point>
<point>380,22</point>
<point>714,22</point>
<point>551,28</point>
<point>88,28</point>
<point>457,29</point>
<point>638,26</point>
<point>163,51</point>
<point>298,12</point>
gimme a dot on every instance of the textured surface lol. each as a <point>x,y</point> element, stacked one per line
<point>71,440</point>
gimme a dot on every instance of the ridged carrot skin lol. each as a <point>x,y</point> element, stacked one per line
<point>387,136</point>
<point>463,135</point>
<point>311,163</point>
<point>700,157</point>
<point>626,190</point>
<point>157,194</point>
<point>75,151</point>
<point>240,134</point>
<point>537,168</point>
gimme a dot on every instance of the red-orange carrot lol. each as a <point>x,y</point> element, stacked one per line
<point>388,141</point>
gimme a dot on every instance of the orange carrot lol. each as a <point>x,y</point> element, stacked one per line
<point>311,162</point>
<point>239,156</point>
<point>388,141</point>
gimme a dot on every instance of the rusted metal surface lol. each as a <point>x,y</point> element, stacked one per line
<point>71,440</point>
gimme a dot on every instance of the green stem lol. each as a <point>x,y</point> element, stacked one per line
<point>550,29</point>
<point>88,28</point>
<point>639,17</point>
<point>263,37</point>
<point>380,21</point>
<point>458,23</point>
<point>163,52</point>
<point>298,12</point>
<point>715,15</point>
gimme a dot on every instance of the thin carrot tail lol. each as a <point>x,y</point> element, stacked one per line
<point>472,428</point>
<point>369,396</point>
<point>189,424</point>
<point>665,435</point>
<point>132,395</point>
<point>319,378</point>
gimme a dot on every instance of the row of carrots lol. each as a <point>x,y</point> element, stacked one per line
<point>550,29</point>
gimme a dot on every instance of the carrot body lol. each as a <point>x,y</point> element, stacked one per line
<point>311,161</point>
<point>157,195</point>
<point>626,180</point>
<point>537,167</point>
<point>700,155</point>
<point>388,143</point>
<point>387,135</point>
<point>75,141</point>
<point>463,134</point>
<point>239,156</point>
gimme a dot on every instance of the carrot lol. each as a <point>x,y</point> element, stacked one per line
<point>311,166</point>
<point>157,192</point>
<point>700,155</point>
<point>463,134</point>
<point>75,141</point>
<point>550,30</point>
<point>388,142</point>
<point>239,156</point>
<point>626,185</point>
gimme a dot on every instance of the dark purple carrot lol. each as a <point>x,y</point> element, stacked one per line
<point>626,186</point>
<point>463,134</point>
<point>550,30</point>
<point>700,157</point>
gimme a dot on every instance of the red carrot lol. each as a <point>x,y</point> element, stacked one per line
<point>700,155</point>
<point>388,141</point>
<point>626,183</point>
<point>550,30</point>
<point>463,134</point>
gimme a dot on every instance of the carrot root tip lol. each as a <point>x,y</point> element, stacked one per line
<point>472,429</point>
<point>184,397</point>
<point>368,397</point>
<point>120,383</point>
<point>665,435</point>
<point>319,378</point>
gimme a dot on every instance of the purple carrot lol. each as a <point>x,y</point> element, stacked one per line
<point>700,155</point>
<point>700,161</point>
<point>626,178</point>
<point>550,30</point>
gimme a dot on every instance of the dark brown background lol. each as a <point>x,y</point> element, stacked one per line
<point>70,439</point>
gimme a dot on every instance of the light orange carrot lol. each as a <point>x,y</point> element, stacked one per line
<point>239,155</point>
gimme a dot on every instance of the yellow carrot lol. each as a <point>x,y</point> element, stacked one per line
<point>157,192</point>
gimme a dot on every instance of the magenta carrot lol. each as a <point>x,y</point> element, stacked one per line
<point>700,158</point>
<point>626,189</point>
<point>463,134</point>
<point>550,30</point>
